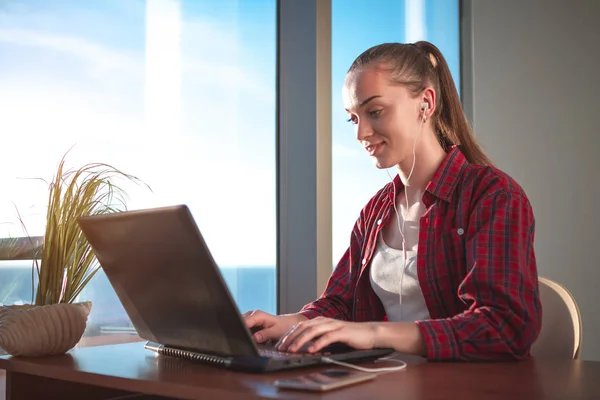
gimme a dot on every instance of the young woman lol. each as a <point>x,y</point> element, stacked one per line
<point>441,260</point>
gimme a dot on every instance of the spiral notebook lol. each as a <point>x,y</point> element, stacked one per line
<point>164,274</point>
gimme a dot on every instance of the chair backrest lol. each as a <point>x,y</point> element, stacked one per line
<point>560,336</point>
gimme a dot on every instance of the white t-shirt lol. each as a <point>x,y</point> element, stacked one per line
<point>397,287</point>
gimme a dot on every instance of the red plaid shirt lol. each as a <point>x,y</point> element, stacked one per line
<point>476,265</point>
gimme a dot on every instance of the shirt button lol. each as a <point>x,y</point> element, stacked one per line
<point>379,222</point>
<point>460,231</point>
<point>364,261</point>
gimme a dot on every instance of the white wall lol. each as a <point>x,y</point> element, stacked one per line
<point>536,70</point>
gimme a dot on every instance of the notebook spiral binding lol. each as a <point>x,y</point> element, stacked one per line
<point>190,355</point>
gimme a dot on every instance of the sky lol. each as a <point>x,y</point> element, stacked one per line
<point>181,93</point>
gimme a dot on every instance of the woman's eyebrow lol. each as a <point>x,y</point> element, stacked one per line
<point>364,102</point>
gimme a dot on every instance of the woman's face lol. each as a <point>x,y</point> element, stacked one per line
<point>386,116</point>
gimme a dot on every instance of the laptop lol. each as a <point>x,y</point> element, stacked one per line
<point>175,296</point>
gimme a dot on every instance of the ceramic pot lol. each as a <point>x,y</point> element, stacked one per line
<point>34,331</point>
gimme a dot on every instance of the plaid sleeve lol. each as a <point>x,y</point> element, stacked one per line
<point>504,317</point>
<point>336,300</point>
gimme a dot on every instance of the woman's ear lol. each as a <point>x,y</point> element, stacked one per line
<point>427,103</point>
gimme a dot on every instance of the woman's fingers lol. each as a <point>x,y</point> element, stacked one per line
<point>333,336</point>
<point>284,339</point>
<point>306,332</point>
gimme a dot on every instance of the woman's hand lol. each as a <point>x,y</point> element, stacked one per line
<point>268,327</point>
<point>320,332</point>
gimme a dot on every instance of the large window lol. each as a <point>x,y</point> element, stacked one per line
<point>356,26</point>
<point>180,93</point>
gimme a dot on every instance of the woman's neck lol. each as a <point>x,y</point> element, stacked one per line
<point>429,156</point>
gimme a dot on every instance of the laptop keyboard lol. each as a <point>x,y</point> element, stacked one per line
<point>279,354</point>
<point>268,351</point>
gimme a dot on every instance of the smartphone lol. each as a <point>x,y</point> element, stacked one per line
<point>324,380</point>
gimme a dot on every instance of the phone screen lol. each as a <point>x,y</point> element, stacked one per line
<point>324,380</point>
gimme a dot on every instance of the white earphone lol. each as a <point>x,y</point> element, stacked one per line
<point>424,108</point>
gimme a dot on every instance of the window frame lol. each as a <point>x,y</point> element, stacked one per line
<point>465,12</point>
<point>303,151</point>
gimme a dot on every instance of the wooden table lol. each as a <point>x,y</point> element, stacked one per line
<point>107,372</point>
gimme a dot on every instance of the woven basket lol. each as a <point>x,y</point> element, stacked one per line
<point>34,331</point>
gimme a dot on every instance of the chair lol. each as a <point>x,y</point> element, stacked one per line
<point>560,336</point>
